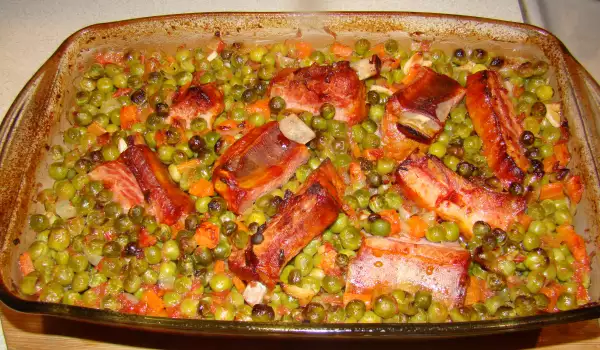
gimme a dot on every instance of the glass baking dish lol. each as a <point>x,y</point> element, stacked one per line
<point>38,115</point>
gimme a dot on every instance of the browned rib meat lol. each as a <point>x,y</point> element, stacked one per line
<point>167,199</point>
<point>494,120</point>
<point>120,181</point>
<point>306,89</point>
<point>383,265</point>
<point>202,101</point>
<point>417,112</point>
<point>427,181</point>
<point>304,217</point>
<point>259,162</point>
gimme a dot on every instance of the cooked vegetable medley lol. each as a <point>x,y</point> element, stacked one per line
<point>363,183</point>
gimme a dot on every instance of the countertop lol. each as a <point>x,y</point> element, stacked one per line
<point>30,30</point>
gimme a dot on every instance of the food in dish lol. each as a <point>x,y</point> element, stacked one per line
<point>283,182</point>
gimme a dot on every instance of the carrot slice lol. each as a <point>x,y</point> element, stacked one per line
<point>219,266</point>
<point>153,301</point>
<point>474,291</point>
<point>303,49</point>
<point>239,284</point>
<point>574,188</point>
<point>25,264</point>
<point>96,129</point>
<point>202,188</point>
<point>561,151</point>
<point>341,50</point>
<point>418,226</point>
<point>261,107</point>
<point>549,163</point>
<point>552,191</point>
<point>128,116</point>
<point>207,235</point>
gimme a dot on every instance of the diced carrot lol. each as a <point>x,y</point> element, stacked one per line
<point>190,164</point>
<point>357,176</point>
<point>341,50</point>
<point>171,59</point>
<point>552,191</point>
<point>391,216</point>
<point>153,300</point>
<point>96,129</point>
<point>552,291</point>
<point>207,235</point>
<point>518,91</point>
<point>160,137</point>
<point>145,239</point>
<point>379,50</point>
<point>373,153</point>
<point>128,116</point>
<point>25,264</point>
<point>228,125</point>
<point>574,188</point>
<point>202,188</point>
<point>525,220</point>
<point>561,151</point>
<point>109,57</point>
<point>566,234</point>
<point>549,163</point>
<point>261,107</point>
<point>103,139</point>
<point>219,266</point>
<point>474,291</point>
<point>239,284</point>
<point>418,226</point>
<point>303,49</point>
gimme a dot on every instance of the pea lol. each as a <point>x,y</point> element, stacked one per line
<point>437,312</point>
<point>376,112</point>
<point>350,238</point>
<point>562,216</point>
<point>452,231</point>
<point>385,166</point>
<point>52,293</point>
<point>435,233</point>
<point>544,92</point>
<point>304,263</point>
<point>566,301</point>
<point>59,239</point>
<point>371,141</point>
<point>38,222</point>
<point>257,53</point>
<point>422,299</point>
<point>57,171</point>
<point>332,284</point>
<point>355,309</point>
<point>380,227</point>
<point>437,149</point>
<point>327,111</point>
<point>262,313</point>
<point>385,306</point>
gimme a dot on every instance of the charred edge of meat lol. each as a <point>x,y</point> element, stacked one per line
<point>413,134</point>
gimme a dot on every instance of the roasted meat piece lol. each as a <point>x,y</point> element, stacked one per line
<point>202,101</point>
<point>306,89</point>
<point>384,264</point>
<point>302,218</point>
<point>417,112</point>
<point>495,122</point>
<point>168,201</point>
<point>423,102</point>
<point>259,162</point>
<point>428,182</point>
<point>120,181</point>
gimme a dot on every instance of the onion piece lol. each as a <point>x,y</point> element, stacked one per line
<point>92,258</point>
<point>254,293</point>
<point>65,209</point>
<point>122,145</point>
<point>303,295</point>
<point>212,56</point>
<point>367,67</point>
<point>416,59</point>
<point>381,89</point>
<point>109,105</point>
<point>294,129</point>
<point>553,113</point>
<point>131,298</point>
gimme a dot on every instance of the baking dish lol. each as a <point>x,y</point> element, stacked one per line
<point>38,114</point>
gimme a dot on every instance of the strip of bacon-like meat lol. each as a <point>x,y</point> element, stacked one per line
<point>120,181</point>
<point>494,120</point>
<point>167,199</point>
<point>201,101</point>
<point>430,184</point>
<point>306,89</point>
<point>257,163</point>
<point>417,112</point>
<point>383,265</point>
<point>302,218</point>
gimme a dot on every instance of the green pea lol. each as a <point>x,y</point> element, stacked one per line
<point>437,312</point>
<point>59,239</point>
<point>392,200</point>
<point>562,216</point>
<point>57,171</point>
<point>435,233</point>
<point>332,284</point>
<point>171,250</point>
<point>380,227</point>
<point>422,299</point>
<point>304,263</point>
<point>544,92</point>
<point>566,301</point>
<point>220,282</point>
<point>385,166</point>
<point>38,222</point>
<point>355,309</point>
<point>256,119</point>
<point>52,293</point>
<point>385,306</point>
<point>361,46</point>
<point>535,281</point>
<point>452,231</point>
<point>371,141</point>
<point>437,149</point>
<point>350,238</point>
